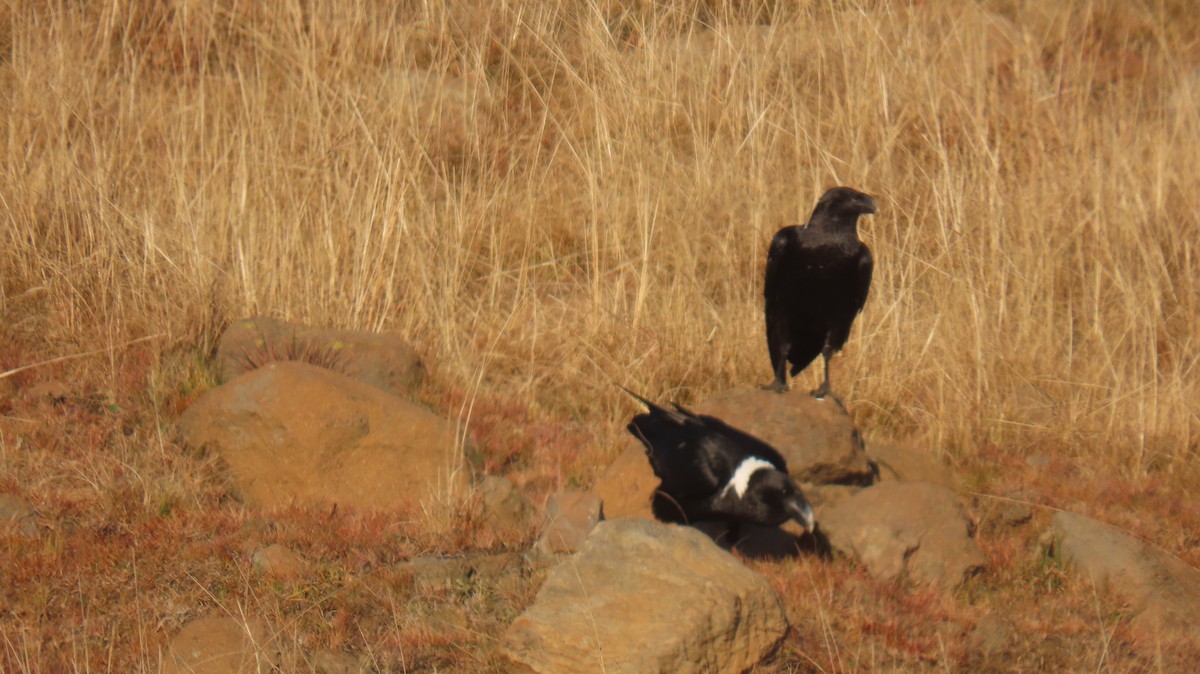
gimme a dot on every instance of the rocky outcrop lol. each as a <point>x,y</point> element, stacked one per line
<point>647,597</point>
<point>908,463</point>
<point>826,496</point>
<point>381,359</point>
<point>627,485</point>
<point>1164,591</point>
<point>816,437</point>
<point>570,517</point>
<point>221,646</point>
<point>296,433</point>
<point>915,530</point>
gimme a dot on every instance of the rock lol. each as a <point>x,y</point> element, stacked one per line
<point>221,646</point>
<point>505,508</point>
<point>17,517</point>
<point>918,530</point>
<point>381,359</point>
<point>826,496</point>
<point>904,462</point>
<point>647,597</point>
<point>429,572</point>
<point>816,437</point>
<point>570,517</point>
<point>1016,514</point>
<point>330,662</point>
<point>1163,590</point>
<point>296,433</point>
<point>47,392</point>
<point>1039,460</point>
<point>1013,509</point>
<point>279,562</point>
<point>627,485</point>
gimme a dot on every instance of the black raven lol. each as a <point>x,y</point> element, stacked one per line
<point>816,283</point>
<point>712,471</point>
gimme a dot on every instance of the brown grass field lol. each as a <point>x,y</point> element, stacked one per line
<point>552,196</point>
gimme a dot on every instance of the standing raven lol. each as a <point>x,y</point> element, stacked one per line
<point>816,283</point>
<point>712,471</point>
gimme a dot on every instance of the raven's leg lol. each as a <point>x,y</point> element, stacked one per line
<point>778,347</point>
<point>823,390</point>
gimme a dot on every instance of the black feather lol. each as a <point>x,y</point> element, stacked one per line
<point>696,456</point>
<point>817,280</point>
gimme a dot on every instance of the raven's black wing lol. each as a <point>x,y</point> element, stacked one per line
<point>774,280</point>
<point>676,451</point>
<point>674,442</point>
<point>695,455</point>
<point>739,445</point>
<point>866,267</point>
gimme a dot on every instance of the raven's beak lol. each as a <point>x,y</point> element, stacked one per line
<point>802,512</point>
<point>868,204</point>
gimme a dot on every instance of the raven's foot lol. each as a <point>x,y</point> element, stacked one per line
<point>821,391</point>
<point>776,386</point>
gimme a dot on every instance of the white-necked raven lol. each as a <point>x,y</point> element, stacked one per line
<point>817,280</point>
<point>712,471</point>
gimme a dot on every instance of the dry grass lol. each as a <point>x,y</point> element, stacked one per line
<point>546,197</point>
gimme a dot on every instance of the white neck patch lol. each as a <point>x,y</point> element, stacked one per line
<point>741,476</point>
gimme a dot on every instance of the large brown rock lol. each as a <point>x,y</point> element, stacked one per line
<point>221,646</point>
<point>295,433</point>
<point>917,530</point>
<point>816,437</point>
<point>570,517</point>
<point>381,359</point>
<point>909,463</point>
<point>647,597</point>
<point>826,496</point>
<point>626,487</point>
<point>1163,590</point>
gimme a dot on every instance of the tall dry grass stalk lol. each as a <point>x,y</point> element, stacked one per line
<point>548,196</point>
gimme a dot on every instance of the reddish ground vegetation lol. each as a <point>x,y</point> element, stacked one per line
<point>135,542</point>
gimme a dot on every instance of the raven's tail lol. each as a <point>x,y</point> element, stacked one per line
<point>679,415</point>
